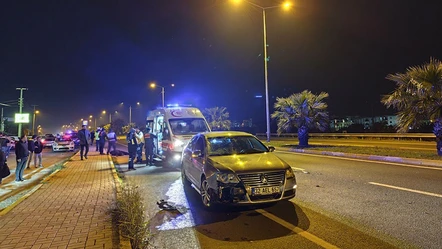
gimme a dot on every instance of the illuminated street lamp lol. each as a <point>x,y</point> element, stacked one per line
<point>130,111</point>
<point>285,6</point>
<point>33,121</point>
<point>154,85</point>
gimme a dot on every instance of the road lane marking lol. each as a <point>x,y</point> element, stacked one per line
<point>297,230</point>
<point>406,189</point>
<point>300,169</point>
<point>362,160</point>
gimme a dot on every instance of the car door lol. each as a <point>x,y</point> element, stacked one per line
<point>187,159</point>
<point>197,160</point>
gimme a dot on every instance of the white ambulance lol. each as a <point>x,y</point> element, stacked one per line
<point>174,126</point>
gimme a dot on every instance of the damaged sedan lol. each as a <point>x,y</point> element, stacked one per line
<point>233,167</point>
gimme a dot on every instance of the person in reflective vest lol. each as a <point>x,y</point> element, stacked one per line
<point>131,148</point>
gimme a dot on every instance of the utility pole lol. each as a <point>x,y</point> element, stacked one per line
<point>2,121</point>
<point>20,104</point>
<point>33,120</point>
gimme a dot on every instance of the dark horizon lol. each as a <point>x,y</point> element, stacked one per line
<point>79,58</point>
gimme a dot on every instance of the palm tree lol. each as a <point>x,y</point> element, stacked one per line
<point>217,117</point>
<point>418,97</point>
<point>301,110</point>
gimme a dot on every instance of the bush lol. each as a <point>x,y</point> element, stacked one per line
<point>131,217</point>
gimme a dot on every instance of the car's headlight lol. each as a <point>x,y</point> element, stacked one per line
<point>54,143</point>
<point>71,143</point>
<point>227,178</point>
<point>178,143</point>
<point>289,173</point>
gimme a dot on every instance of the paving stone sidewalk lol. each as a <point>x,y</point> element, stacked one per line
<point>70,210</point>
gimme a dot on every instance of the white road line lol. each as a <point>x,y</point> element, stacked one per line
<point>297,230</point>
<point>406,189</point>
<point>300,169</point>
<point>362,160</point>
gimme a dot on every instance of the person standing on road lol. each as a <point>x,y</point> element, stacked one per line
<point>31,147</point>
<point>21,155</point>
<point>38,149</point>
<point>131,148</point>
<point>92,137</point>
<point>83,136</point>
<point>97,138</point>
<point>140,144</point>
<point>111,141</point>
<point>150,144</point>
<point>102,140</point>
<point>2,164</point>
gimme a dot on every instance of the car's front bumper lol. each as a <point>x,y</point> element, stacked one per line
<point>242,194</point>
<point>63,147</point>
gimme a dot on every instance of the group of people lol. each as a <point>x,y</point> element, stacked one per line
<point>24,151</point>
<point>99,136</point>
<point>136,142</point>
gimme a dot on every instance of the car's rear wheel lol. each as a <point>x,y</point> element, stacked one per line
<point>206,194</point>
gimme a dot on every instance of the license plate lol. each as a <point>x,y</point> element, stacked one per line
<point>266,190</point>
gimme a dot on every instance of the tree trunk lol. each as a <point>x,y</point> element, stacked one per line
<point>303,136</point>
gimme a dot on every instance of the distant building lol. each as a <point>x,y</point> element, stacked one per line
<point>337,124</point>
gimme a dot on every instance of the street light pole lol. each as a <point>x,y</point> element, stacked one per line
<point>286,6</point>
<point>130,114</point>
<point>162,94</point>
<point>20,103</point>
<point>2,124</point>
<point>33,120</point>
<point>266,74</point>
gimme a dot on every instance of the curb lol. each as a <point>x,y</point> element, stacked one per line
<point>24,197</point>
<point>124,242</point>
<point>390,159</point>
<point>40,179</point>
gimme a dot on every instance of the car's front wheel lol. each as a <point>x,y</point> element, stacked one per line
<point>184,179</point>
<point>206,194</point>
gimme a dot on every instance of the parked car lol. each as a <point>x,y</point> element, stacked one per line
<point>235,168</point>
<point>8,141</point>
<point>63,144</point>
<point>7,144</point>
<point>47,141</point>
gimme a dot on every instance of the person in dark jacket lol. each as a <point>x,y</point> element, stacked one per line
<point>38,149</point>
<point>31,149</point>
<point>102,140</point>
<point>21,155</point>
<point>149,139</point>
<point>131,148</point>
<point>92,137</point>
<point>83,136</point>
<point>2,163</point>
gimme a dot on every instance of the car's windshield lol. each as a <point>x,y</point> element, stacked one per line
<point>188,126</point>
<point>219,146</point>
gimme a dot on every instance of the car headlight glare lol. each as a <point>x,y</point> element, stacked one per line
<point>227,178</point>
<point>178,143</point>
<point>289,173</point>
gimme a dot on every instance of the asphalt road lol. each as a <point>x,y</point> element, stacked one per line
<point>341,203</point>
<point>399,144</point>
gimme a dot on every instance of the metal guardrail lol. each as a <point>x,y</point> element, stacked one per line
<point>397,136</point>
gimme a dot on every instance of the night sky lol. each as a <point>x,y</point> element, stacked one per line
<point>81,57</point>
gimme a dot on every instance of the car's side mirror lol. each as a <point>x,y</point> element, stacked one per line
<point>271,148</point>
<point>197,153</point>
